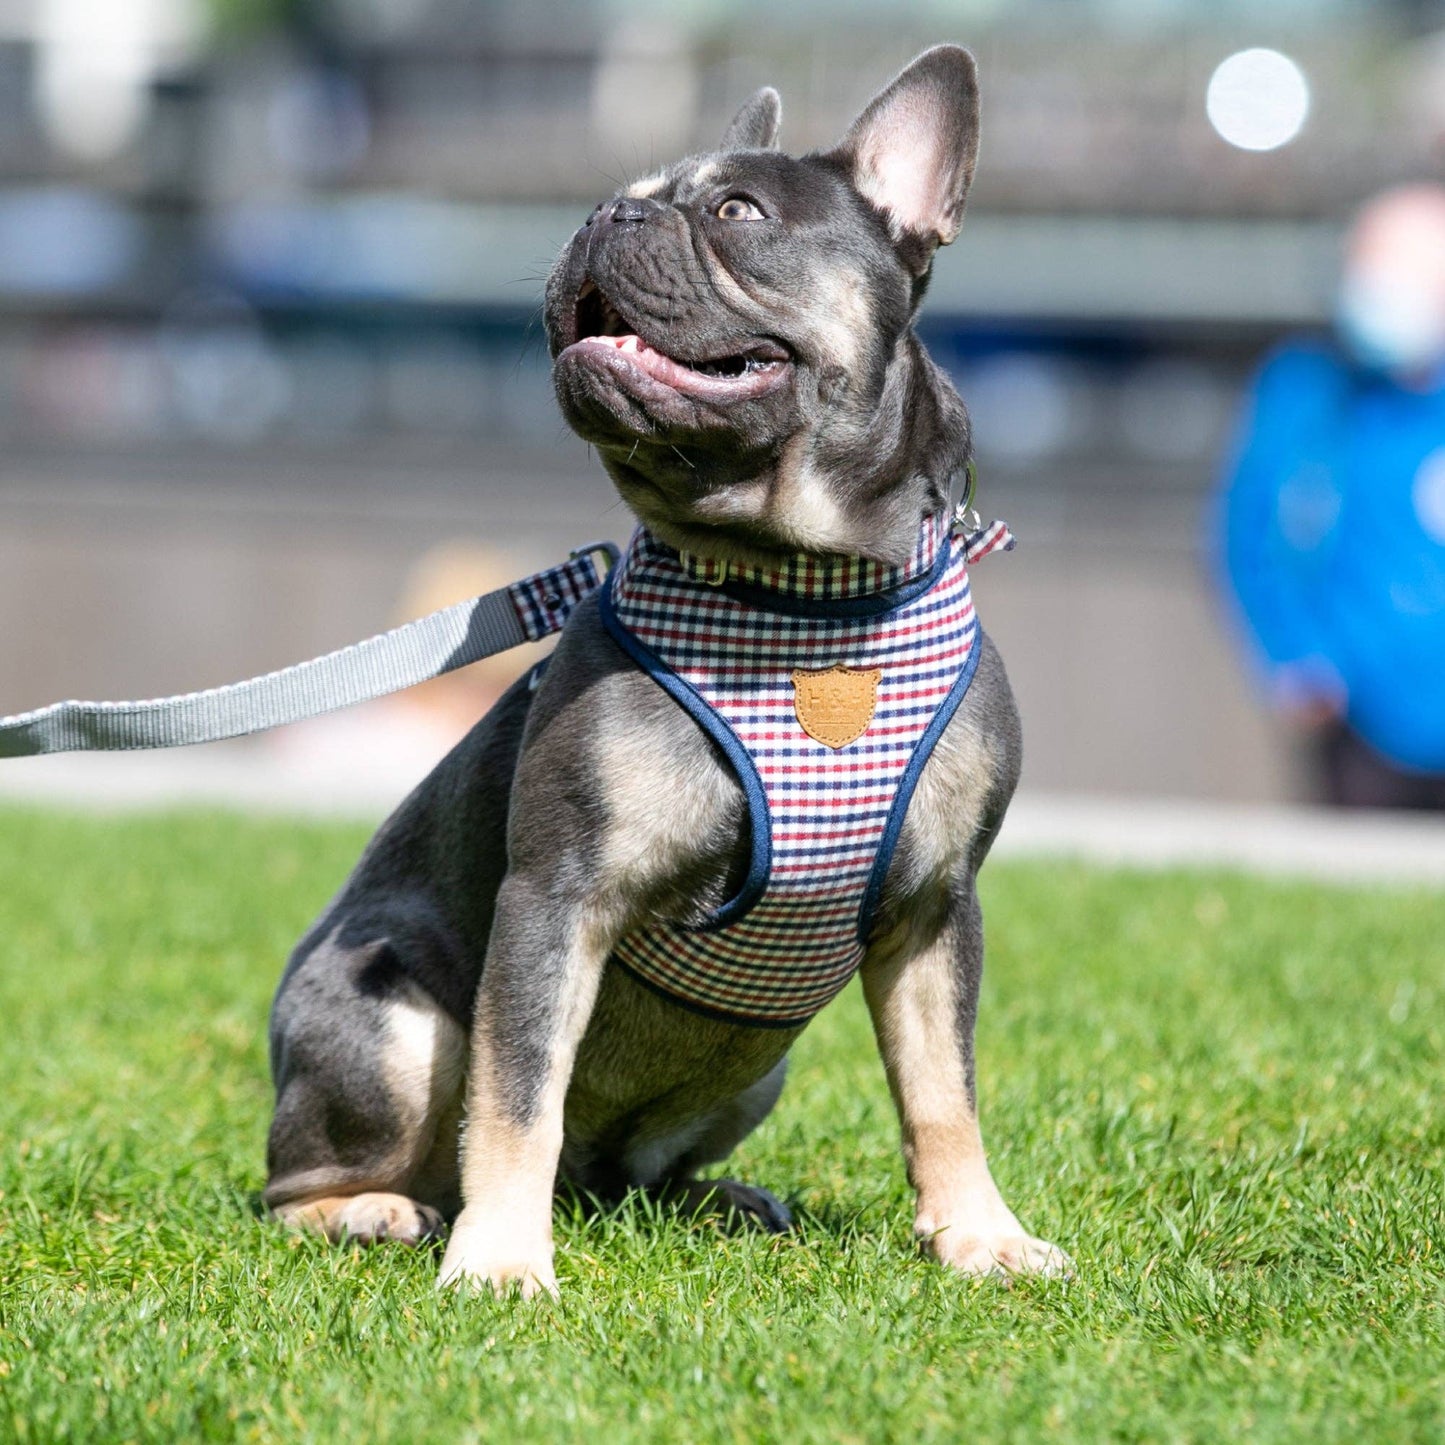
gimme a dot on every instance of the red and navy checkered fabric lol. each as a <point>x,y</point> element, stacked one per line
<point>733,637</point>
<point>544,601</point>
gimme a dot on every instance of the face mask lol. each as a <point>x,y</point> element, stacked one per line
<point>1388,327</point>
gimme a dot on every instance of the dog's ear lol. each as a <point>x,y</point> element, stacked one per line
<point>755,126</point>
<point>911,153</point>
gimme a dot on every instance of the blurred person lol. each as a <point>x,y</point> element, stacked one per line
<point>1332,518</point>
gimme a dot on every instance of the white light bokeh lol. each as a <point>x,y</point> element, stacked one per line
<point>1257,99</point>
<point>1024,404</point>
<point>95,63</point>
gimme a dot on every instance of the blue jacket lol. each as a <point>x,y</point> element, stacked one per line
<point>1331,531</point>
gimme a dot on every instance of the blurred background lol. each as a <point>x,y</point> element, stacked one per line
<point>271,377</point>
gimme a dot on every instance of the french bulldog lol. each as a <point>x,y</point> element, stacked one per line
<point>456,1035</point>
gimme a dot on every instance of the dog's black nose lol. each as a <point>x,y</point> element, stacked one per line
<point>624,211</point>
<point>629,208</point>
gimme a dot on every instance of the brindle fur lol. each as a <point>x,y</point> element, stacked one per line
<point>478,924</point>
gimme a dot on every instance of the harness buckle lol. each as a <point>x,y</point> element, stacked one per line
<point>710,571</point>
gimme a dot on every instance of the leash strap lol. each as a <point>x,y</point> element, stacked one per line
<point>524,611</point>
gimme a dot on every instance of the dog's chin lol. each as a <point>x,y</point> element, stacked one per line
<point>618,388</point>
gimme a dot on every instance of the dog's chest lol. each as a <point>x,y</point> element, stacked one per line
<point>825,684</point>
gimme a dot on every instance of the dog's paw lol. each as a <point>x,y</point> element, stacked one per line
<point>478,1259</point>
<point>1001,1256</point>
<point>732,1203</point>
<point>374,1218</point>
<point>757,1206</point>
<point>528,1279</point>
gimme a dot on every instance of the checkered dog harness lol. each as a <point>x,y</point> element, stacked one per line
<point>826,683</point>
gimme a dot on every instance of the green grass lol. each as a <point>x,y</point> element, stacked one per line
<point>1223,1096</point>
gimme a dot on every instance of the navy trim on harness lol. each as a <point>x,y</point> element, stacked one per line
<point>873,604</point>
<point>760,821</point>
<point>906,784</point>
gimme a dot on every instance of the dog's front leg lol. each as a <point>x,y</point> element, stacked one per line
<point>924,1003</point>
<point>544,961</point>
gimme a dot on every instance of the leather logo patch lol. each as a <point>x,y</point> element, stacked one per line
<point>836,705</point>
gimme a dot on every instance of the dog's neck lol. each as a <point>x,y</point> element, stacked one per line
<point>858,482</point>
<point>808,577</point>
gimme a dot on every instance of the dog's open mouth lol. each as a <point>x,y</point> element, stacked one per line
<point>602,330</point>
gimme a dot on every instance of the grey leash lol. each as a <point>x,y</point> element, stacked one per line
<point>524,611</point>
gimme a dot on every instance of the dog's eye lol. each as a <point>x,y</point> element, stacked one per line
<point>737,208</point>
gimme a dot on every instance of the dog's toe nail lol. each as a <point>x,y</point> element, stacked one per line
<point>776,1214</point>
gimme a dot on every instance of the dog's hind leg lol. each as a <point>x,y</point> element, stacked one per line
<point>728,1200</point>
<point>370,1218</point>
<point>369,1071</point>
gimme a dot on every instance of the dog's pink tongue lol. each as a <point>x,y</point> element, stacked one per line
<point>664,368</point>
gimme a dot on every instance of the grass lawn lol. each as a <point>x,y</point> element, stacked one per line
<point>1223,1096</point>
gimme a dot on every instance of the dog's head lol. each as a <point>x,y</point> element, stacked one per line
<point>734,335</point>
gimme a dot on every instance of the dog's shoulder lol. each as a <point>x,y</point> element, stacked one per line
<point>615,773</point>
<point>595,711</point>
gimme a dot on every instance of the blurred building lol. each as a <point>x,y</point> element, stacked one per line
<point>270,269</point>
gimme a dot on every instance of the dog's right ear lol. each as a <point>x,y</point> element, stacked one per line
<point>755,126</point>
<point>911,153</point>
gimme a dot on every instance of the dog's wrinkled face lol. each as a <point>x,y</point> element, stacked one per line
<point>733,335</point>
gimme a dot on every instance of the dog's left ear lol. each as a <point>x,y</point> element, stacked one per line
<point>755,126</point>
<point>911,153</point>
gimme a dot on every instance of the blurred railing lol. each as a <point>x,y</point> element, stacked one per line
<point>268,310</point>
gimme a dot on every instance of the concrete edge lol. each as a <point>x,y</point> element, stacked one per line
<point>1302,842</point>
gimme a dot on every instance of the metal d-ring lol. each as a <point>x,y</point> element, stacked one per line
<point>610,550</point>
<point>965,513</point>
